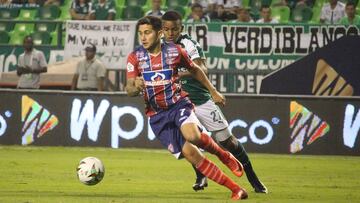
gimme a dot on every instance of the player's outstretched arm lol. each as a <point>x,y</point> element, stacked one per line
<point>198,61</point>
<point>199,75</point>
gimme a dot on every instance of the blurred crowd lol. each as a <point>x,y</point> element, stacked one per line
<point>244,11</point>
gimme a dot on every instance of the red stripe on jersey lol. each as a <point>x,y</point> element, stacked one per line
<point>155,71</point>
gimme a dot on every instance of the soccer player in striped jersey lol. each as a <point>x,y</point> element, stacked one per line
<point>209,115</point>
<point>152,68</point>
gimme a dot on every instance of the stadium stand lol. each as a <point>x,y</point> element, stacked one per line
<point>135,2</point>
<point>8,13</point>
<point>26,28</point>
<point>45,27</point>
<point>281,13</point>
<point>4,37</point>
<point>174,4</point>
<point>301,14</point>
<point>41,38</point>
<point>27,14</point>
<point>17,39</point>
<point>49,13</point>
<point>132,13</point>
<point>134,9</point>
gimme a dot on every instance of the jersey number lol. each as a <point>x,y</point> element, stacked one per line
<point>182,112</point>
<point>216,116</point>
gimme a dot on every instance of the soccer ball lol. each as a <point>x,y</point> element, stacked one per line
<point>90,171</point>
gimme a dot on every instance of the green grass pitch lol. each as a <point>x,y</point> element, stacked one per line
<point>47,174</point>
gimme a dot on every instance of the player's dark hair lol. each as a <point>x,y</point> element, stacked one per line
<point>350,3</point>
<point>155,22</point>
<point>171,16</point>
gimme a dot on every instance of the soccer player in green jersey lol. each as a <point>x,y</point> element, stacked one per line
<point>206,110</point>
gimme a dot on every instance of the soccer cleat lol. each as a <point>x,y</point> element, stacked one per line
<point>200,184</point>
<point>240,194</point>
<point>234,165</point>
<point>259,187</point>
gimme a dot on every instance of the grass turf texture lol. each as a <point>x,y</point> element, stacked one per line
<point>47,174</point>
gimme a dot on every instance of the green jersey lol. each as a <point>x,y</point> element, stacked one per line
<point>198,94</point>
<point>102,10</point>
<point>355,21</point>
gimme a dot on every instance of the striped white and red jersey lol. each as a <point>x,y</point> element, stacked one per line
<point>160,75</point>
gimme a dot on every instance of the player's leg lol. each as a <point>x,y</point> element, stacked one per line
<point>211,117</point>
<point>191,133</point>
<point>229,142</point>
<point>171,138</point>
<point>207,167</point>
<point>200,181</point>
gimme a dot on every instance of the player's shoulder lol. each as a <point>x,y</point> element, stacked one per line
<point>188,43</point>
<point>191,46</point>
<point>186,39</point>
<point>137,53</point>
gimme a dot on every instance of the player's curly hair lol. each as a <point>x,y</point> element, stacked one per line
<point>171,16</point>
<point>155,22</point>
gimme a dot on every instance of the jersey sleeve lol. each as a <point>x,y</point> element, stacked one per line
<point>185,60</point>
<point>132,70</point>
<point>194,51</point>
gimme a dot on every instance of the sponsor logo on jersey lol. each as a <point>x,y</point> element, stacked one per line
<point>130,67</point>
<point>140,54</point>
<point>306,127</point>
<point>172,52</point>
<point>156,78</point>
<point>143,65</point>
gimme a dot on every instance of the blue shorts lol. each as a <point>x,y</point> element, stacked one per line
<point>166,126</point>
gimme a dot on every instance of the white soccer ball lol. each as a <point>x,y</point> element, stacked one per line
<point>90,171</point>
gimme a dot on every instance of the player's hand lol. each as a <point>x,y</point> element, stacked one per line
<point>218,98</point>
<point>139,83</point>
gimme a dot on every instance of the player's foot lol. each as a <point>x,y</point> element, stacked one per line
<point>234,165</point>
<point>240,194</point>
<point>200,184</point>
<point>259,187</point>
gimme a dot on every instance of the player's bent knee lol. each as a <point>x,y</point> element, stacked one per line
<point>192,153</point>
<point>190,132</point>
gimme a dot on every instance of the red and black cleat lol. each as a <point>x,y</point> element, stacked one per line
<point>239,195</point>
